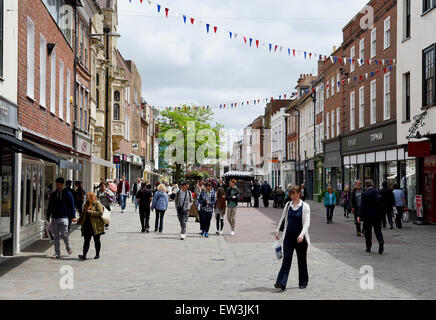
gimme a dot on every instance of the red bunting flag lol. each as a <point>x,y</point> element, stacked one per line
<point>384,69</point>
<point>275,49</point>
<point>258,100</point>
<point>166,11</point>
<point>215,29</point>
<point>378,71</point>
<point>285,96</point>
<point>192,20</point>
<point>361,77</point>
<point>340,60</point>
<point>367,61</point>
<point>236,104</point>
<point>257,43</point>
<point>245,39</point>
<point>293,51</point>
<point>310,55</point>
<point>224,105</point>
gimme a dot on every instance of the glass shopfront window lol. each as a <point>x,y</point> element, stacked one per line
<point>31,192</point>
<point>408,181</point>
<point>6,189</point>
<point>391,172</point>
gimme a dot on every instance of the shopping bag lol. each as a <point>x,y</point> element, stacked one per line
<point>405,216</point>
<point>48,230</point>
<point>278,249</point>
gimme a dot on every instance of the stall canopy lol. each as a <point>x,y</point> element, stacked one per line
<point>27,148</point>
<point>243,174</point>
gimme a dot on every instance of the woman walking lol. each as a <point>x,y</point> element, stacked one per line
<point>346,201</point>
<point>295,221</point>
<point>79,196</point>
<point>330,202</point>
<point>106,198</point>
<point>160,203</point>
<point>92,224</point>
<point>207,202</point>
<point>220,209</point>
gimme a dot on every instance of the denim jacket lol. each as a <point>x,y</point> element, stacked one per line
<point>160,201</point>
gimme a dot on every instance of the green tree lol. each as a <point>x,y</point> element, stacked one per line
<point>178,119</point>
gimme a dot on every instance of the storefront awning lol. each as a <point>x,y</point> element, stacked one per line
<point>28,148</point>
<point>154,173</point>
<point>102,162</point>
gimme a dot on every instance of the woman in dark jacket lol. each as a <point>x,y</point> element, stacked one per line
<point>92,224</point>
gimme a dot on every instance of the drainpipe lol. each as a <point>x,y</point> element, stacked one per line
<point>106,30</point>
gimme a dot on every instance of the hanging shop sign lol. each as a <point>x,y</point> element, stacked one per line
<point>419,149</point>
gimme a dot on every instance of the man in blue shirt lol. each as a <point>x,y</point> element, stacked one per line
<point>61,209</point>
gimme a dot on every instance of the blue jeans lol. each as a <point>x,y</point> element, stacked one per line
<point>123,201</point>
<point>205,218</point>
<point>135,202</point>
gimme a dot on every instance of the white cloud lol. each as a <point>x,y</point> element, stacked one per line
<point>183,64</point>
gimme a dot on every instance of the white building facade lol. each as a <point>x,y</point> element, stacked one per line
<point>416,98</point>
<point>278,147</point>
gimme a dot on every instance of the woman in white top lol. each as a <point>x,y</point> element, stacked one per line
<point>295,221</point>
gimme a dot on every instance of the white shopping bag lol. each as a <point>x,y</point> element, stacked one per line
<point>278,249</point>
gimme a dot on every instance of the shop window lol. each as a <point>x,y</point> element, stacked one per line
<point>6,189</point>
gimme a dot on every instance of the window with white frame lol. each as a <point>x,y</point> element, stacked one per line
<point>327,91</point>
<point>53,82</point>
<point>85,110</point>
<point>68,94</point>
<point>373,101</point>
<point>373,43</point>
<point>352,111</point>
<point>387,97</point>
<point>352,55</point>
<point>338,80</point>
<point>333,119</point>
<point>327,121</point>
<point>338,121</point>
<point>333,86</point>
<point>126,128</point>
<point>61,89</point>
<point>361,107</point>
<point>321,106</point>
<point>42,71</point>
<point>30,90</point>
<point>387,33</point>
<point>361,52</point>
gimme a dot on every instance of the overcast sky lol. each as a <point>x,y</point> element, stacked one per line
<point>183,64</point>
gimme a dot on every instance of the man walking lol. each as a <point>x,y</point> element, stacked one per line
<point>183,202</point>
<point>232,204</point>
<point>265,191</point>
<point>256,193</point>
<point>123,191</point>
<point>144,198</point>
<point>369,213</point>
<point>356,201</point>
<point>136,188</point>
<point>61,209</point>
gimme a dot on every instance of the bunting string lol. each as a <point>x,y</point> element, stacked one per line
<point>271,47</point>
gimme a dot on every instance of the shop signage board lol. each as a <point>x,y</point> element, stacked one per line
<point>8,114</point>
<point>419,149</point>
<point>375,138</point>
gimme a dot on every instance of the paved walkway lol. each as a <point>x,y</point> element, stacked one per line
<point>134,265</point>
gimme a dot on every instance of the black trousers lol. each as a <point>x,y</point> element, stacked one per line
<point>400,211</point>
<point>289,245</point>
<point>358,227</point>
<point>368,225</point>
<point>144,216</point>
<point>219,223</point>
<point>387,213</point>
<point>265,201</point>
<point>329,212</point>
<point>87,242</point>
<point>256,202</point>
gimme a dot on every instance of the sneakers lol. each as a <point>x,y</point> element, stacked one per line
<point>217,233</point>
<point>221,232</point>
<point>207,235</point>
<point>122,211</point>
<point>182,236</point>
<point>55,257</point>
<point>97,257</point>
<point>202,233</point>
<point>359,234</point>
<point>82,257</point>
<point>232,233</point>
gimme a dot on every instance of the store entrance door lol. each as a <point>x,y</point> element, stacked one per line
<point>369,172</point>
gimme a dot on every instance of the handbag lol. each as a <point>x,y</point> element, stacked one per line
<point>106,217</point>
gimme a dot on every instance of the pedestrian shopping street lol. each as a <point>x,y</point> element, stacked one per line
<point>135,265</point>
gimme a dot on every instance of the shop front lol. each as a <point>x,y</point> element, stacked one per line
<point>135,168</point>
<point>430,189</point>
<point>374,154</point>
<point>288,173</point>
<point>318,171</point>
<point>332,165</point>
